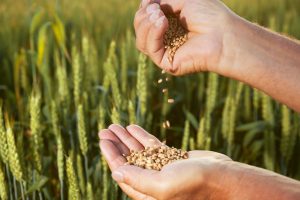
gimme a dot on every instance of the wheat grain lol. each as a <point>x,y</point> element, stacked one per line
<point>60,157</point>
<point>77,76</point>
<point>115,116</point>
<point>3,142</point>
<point>141,86</point>
<point>285,133</point>
<point>74,193</point>
<point>155,157</point>
<point>3,187</point>
<point>35,127</point>
<point>81,179</point>
<point>14,161</point>
<point>186,135</point>
<point>201,134</point>
<point>89,191</point>
<point>175,36</point>
<point>63,89</point>
<point>81,129</point>
<point>131,111</point>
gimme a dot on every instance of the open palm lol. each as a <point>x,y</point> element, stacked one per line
<point>175,181</point>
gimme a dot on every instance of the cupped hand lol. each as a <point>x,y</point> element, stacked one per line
<point>193,178</point>
<point>207,22</point>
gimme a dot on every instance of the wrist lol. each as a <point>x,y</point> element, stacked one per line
<point>234,33</point>
<point>217,182</point>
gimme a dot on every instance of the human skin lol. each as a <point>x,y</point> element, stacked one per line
<point>204,175</point>
<point>220,41</point>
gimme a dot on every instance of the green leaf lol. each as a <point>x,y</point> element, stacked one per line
<point>250,135</point>
<point>38,184</point>
<point>36,20</point>
<point>261,125</point>
<point>42,42</point>
<point>191,118</point>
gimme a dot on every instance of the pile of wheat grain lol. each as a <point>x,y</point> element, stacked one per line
<point>155,157</point>
<point>175,36</point>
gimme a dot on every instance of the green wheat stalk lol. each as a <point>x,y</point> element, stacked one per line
<point>115,116</point>
<point>82,135</point>
<point>35,110</point>
<point>201,134</point>
<point>186,135</point>
<point>77,76</point>
<point>3,142</point>
<point>131,112</point>
<point>74,192</point>
<point>89,191</point>
<point>141,86</point>
<point>101,118</point>
<point>286,133</point>
<point>14,160</point>
<point>3,187</point>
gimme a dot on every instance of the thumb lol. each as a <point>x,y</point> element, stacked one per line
<point>142,180</point>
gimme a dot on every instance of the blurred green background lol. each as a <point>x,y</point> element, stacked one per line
<point>70,68</point>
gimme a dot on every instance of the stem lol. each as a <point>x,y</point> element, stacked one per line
<point>86,167</point>
<point>9,182</point>
<point>61,189</point>
<point>40,195</point>
<point>15,189</point>
<point>33,180</point>
<point>22,191</point>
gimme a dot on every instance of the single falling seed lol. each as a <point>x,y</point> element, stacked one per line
<point>164,90</point>
<point>167,79</point>
<point>164,125</point>
<point>171,100</point>
<point>163,71</point>
<point>168,124</point>
<point>160,80</point>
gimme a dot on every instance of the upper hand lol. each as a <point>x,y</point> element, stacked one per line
<point>184,179</point>
<point>207,22</point>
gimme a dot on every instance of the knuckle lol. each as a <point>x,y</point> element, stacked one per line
<point>139,47</point>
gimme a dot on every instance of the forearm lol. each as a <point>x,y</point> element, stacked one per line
<point>248,182</point>
<point>263,59</point>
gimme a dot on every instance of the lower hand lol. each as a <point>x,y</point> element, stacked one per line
<point>193,178</point>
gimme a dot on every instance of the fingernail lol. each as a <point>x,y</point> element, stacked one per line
<point>118,176</point>
<point>154,16</point>
<point>160,21</point>
<point>151,8</point>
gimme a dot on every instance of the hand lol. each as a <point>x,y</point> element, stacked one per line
<point>193,178</point>
<point>207,22</point>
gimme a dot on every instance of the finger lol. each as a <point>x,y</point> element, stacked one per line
<point>125,137</point>
<point>133,194</point>
<point>112,154</point>
<point>146,139</point>
<point>142,180</point>
<point>204,154</point>
<point>140,15</point>
<point>106,134</point>
<point>184,62</point>
<point>143,29</point>
<point>155,39</point>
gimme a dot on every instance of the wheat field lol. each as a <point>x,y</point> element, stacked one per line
<point>70,68</point>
